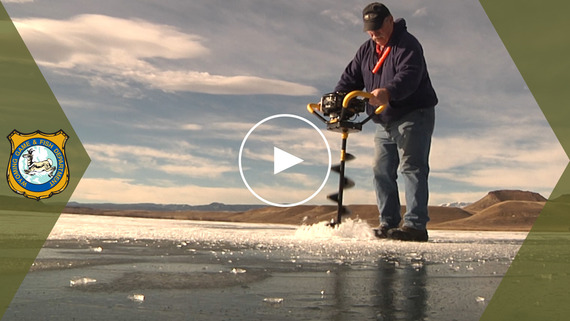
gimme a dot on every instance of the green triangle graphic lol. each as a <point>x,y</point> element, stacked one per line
<point>27,105</point>
<point>537,284</point>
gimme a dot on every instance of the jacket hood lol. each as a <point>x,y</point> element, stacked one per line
<point>399,27</point>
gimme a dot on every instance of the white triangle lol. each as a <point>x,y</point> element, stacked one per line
<point>283,160</point>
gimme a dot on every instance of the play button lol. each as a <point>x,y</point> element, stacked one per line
<point>284,160</point>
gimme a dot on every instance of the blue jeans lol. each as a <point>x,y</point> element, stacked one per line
<point>405,143</point>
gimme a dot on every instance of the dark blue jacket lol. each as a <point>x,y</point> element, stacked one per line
<point>404,73</point>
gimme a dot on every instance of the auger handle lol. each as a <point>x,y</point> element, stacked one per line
<point>312,107</point>
<point>358,93</point>
<point>379,109</point>
<point>354,94</point>
<point>366,95</point>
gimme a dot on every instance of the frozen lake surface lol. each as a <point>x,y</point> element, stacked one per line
<point>113,268</point>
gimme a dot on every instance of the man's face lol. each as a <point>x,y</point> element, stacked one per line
<point>382,35</point>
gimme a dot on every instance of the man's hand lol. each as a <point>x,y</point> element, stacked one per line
<point>381,97</point>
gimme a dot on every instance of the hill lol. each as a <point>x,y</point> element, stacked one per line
<point>511,210</point>
<point>506,215</point>
<point>499,196</point>
<point>212,207</point>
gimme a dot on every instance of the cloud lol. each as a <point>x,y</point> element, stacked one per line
<point>192,127</point>
<point>525,156</point>
<point>438,198</point>
<point>343,17</point>
<point>160,124</point>
<point>118,190</point>
<point>488,162</point>
<point>103,40</point>
<point>172,81</point>
<point>421,12</point>
<point>121,159</point>
<point>116,52</point>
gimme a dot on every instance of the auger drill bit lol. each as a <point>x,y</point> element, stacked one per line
<point>340,121</point>
<point>344,182</point>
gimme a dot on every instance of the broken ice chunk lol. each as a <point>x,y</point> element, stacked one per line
<point>81,281</point>
<point>139,298</point>
<point>273,300</point>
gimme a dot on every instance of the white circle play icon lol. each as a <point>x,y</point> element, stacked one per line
<point>284,160</point>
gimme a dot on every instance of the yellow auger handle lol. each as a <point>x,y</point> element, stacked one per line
<point>358,93</point>
<point>379,109</point>
<point>311,107</point>
<point>354,94</point>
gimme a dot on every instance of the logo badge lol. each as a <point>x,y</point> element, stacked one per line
<point>38,166</point>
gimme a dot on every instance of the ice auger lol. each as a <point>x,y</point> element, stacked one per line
<point>342,110</point>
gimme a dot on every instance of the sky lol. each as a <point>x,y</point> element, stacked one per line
<point>162,94</point>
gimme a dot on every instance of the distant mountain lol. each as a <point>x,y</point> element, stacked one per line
<point>499,196</point>
<point>502,210</point>
<point>455,204</point>
<point>212,207</point>
<point>512,210</point>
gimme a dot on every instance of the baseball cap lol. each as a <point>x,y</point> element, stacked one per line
<point>374,15</point>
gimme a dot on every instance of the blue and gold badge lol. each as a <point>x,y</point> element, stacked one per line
<point>38,166</point>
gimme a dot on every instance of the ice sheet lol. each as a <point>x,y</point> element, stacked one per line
<point>351,241</point>
<point>114,268</point>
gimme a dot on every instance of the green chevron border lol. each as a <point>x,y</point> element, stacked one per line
<point>537,285</point>
<point>27,104</point>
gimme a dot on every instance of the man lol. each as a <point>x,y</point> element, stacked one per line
<point>391,66</point>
